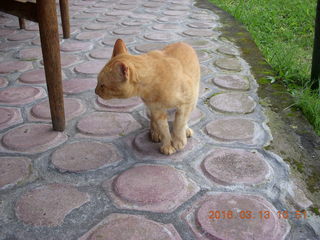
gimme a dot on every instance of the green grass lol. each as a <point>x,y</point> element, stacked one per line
<point>284,31</point>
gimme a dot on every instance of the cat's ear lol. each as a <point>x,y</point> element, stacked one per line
<point>123,70</point>
<point>119,48</point>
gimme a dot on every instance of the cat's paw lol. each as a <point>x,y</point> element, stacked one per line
<point>155,136</point>
<point>179,144</point>
<point>189,132</point>
<point>167,149</point>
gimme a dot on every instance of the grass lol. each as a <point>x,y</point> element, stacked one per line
<point>284,31</point>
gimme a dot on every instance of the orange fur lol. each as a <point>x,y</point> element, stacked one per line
<point>163,79</point>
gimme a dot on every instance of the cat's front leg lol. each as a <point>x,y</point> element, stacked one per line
<point>180,127</point>
<point>159,117</point>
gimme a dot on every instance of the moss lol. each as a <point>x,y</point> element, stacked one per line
<point>313,182</point>
<point>295,164</point>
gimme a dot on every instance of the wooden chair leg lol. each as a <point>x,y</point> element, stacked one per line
<point>22,23</point>
<point>48,26</point>
<point>64,8</point>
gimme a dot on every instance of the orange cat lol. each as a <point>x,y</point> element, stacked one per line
<point>163,79</point>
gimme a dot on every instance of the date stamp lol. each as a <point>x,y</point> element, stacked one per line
<point>250,215</point>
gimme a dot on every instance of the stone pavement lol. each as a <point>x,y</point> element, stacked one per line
<point>102,178</point>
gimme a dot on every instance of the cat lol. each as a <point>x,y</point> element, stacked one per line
<point>163,79</point>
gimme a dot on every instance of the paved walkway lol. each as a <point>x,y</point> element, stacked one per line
<point>102,178</point>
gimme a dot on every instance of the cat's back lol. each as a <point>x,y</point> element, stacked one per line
<point>186,55</point>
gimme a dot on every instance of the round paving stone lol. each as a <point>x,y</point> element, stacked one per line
<point>90,67</point>
<point>237,228</point>
<point>133,23</point>
<point>175,13</point>
<point>100,26</point>
<point>150,47</point>
<point>164,184</point>
<point>166,27</point>
<point>142,16</point>
<point>110,41</point>
<point>78,85</point>
<point>124,226</point>
<point>231,64</point>
<point>49,205</point>
<point>203,55</point>
<point>14,66</point>
<point>90,35</point>
<point>33,77</point>
<point>233,103</point>
<point>118,13</point>
<point>127,31</point>
<point>20,95</point>
<point>179,8</point>
<point>235,166</point>
<point>159,36</point>
<point>21,36</point>
<point>231,129</point>
<point>101,53</point>
<point>124,7</point>
<point>32,138</point>
<point>198,33</point>
<point>118,104</point>
<point>3,82</point>
<point>108,124</point>
<point>6,32</point>
<point>13,170</point>
<point>203,17</point>
<point>9,116</point>
<point>108,19</point>
<point>68,60</point>
<point>30,54</point>
<point>152,4</point>
<point>75,46</point>
<point>201,25</point>
<point>233,82</point>
<point>199,43</point>
<point>227,50</point>
<point>84,156</point>
<point>169,19</point>
<point>72,107</point>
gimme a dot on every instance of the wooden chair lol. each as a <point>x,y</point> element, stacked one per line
<point>44,13</point>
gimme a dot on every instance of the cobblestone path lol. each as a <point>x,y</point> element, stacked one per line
<point>102,178</point>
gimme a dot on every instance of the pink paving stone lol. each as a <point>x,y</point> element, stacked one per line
<point>108,124</point>
<point>68,60</point>
<point>110,41</point>
<point>143,16</point>
<point>13,170</point>
<point>48,205</point>
<point>36,42</point>
<point>235,166</point>
<point>75,46</point>
<point>3,82</point>
<point>6,32</point>
<point>203,17</point>
<point>100,26</point>
<point>101,53</point>
<point>85,15</point>
<point>150,47</point>
<point>165,190</point>
<point>231,64</point>
<point>152,4</point>
<point>9,46</point>
<point>125,226</point>
<point>233,103</point>
<point>157,36</point>
<point>30,54</point>
<point>90,67</point>
<point>90,35</point>
<point>32,138</point>
<point>131,23</point>
<point>199,33</point>
<point>32,27</point>
<point>166,26</point>
<point>179,8</point>
<point>201,25</point>
<point>14,66</point>
<point>199,43</point>
<point>145,149</point>
<point>84,156</point>
<point>108,19</point>
<point>175,13</point>
<point>125,7</point>
<point>232,82</point>
<point>9,117</point>
<point>234,129</point>
<point>21,36</point>
<point>236,228</point>
<point>127,31</point>
<point>169,19</point>
<point>20,95</point>
<point>121,105</point>
<point>78,85</point>
<point>33,77</point>
<point>73,107</point>
<point>118,13</point>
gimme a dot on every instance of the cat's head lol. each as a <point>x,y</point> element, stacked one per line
<point>114,80</point>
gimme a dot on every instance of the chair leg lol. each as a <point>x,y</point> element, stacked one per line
<point>49,35</point>
<point>64,8</point>
<point>22,23</point>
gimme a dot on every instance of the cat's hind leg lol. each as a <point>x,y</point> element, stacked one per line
<point>160,120</point>
<point>180,129</point>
